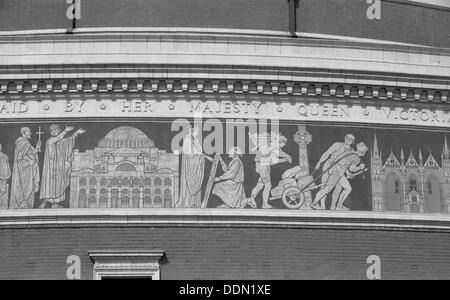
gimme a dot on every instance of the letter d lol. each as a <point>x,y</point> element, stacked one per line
<point>226,289</point>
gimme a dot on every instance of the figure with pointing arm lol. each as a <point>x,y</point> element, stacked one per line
<point>57,165</point>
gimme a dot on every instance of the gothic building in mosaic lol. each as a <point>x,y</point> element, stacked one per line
<point>413,185</point>
<point>125,170</point>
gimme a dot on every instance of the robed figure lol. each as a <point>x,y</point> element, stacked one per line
<point>25,177</point>
<point>57,165</point>
<point>229,186</point>
<point>5,174</point>
<point>192,171</point>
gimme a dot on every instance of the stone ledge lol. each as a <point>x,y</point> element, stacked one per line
<point>136,255</point>
<point>269,36</point>
<point>273,219</point>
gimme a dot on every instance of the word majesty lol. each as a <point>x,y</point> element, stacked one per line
<point>224,109</point>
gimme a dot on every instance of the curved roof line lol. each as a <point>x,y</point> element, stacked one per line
<point>433,4</point>
<point>194,31</point>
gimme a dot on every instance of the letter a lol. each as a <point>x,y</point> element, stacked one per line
<point>374,10</point>
<point>74,10</point>
<point>74,268</point>
<point>374,270</point>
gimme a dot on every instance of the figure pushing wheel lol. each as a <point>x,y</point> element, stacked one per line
<point>293,197</point>
<point>335,177</point>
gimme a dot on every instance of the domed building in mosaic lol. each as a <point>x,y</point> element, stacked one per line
<point>125,170</point>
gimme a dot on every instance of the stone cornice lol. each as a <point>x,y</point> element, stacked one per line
<point>22,89</point>
<point>215,56</point>
<point>126,263</point>
<point>144,256</point>
<point>271,219</point>
<point>160,60</point>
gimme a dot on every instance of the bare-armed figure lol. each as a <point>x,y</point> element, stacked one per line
<point>268,154</point>
<point>337,175</point>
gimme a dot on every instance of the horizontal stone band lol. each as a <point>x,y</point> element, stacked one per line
<point>223,218</point>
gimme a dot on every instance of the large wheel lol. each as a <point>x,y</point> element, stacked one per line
<point>293,197</point>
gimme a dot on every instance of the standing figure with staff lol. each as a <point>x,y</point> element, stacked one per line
<point>25,176</point>
<point>192,170</point>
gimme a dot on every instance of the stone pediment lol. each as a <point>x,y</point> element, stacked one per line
<point>411,162</point>
<point>392,161</point>
<point>431,162</point>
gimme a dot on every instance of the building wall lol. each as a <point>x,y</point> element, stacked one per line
<point>400,21</point>
<point>232,253</point>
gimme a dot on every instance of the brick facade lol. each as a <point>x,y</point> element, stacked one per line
<point>231,253</point>
<point>400,21</point>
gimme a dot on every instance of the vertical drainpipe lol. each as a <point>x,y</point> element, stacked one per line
<point>293,5</point>
<point>74,20</point>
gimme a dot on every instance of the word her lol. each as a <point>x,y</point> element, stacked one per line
<point>136,106</point>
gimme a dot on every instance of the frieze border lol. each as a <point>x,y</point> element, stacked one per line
<point>281,88</point>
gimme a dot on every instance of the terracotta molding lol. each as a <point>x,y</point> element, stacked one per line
<point>86,33</point>
<point>224,218</point>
